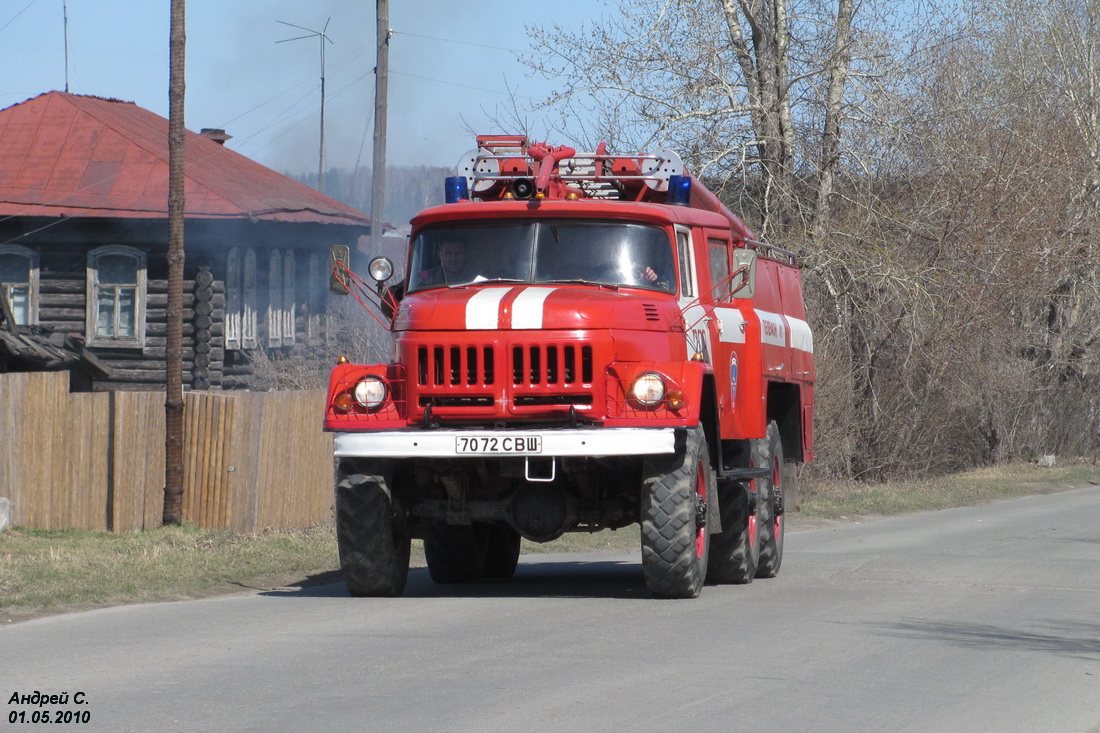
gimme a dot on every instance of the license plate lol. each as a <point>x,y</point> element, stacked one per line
<point>498,445</point>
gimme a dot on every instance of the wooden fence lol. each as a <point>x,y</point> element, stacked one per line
<point>96,461</point>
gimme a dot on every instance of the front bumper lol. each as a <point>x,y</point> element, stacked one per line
<point>552,443</point>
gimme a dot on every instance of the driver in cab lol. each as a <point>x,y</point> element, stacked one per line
<point>453,266</point>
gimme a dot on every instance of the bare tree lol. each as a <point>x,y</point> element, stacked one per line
<point>726,82</point>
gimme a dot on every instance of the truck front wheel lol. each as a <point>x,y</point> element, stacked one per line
<point>675,538</point>
<point>502,552</point>
<point>371,535</point>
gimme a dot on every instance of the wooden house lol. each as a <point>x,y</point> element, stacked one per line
<point>84,232</point>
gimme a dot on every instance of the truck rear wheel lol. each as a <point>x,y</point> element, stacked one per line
<point>371,536</point>
<point>502,552</point>
<point>734,552</point>
<point>769,502</point>
<point>456,553</point>
<point>675,538</point>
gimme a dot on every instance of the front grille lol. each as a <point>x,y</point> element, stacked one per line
<point>542,364</point>
<point>438,366</point>
<point>581,399</point>
<point>457,380</point>
<point>442,401</point>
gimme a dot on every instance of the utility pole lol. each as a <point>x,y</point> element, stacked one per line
<point>322,34</point>
<point>173,400</point>
<point>381,91</point>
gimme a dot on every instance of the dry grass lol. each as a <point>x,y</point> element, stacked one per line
<point>845,500</point>
<point>50,571</point>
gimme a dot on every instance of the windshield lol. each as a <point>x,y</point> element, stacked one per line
<point>545,251</point>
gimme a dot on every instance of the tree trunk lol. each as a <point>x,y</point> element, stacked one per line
<point>830,134</point>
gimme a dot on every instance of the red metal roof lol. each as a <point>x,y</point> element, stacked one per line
<point>71,155</point>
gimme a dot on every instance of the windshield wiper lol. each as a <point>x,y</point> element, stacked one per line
<point>582,281</point>
<point>488,280</point>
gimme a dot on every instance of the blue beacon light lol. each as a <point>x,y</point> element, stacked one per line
<point>679,191</point>
<point>456,189</point>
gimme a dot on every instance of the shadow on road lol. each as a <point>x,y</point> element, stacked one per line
<point>533,579</point>
<point>1079,640</point>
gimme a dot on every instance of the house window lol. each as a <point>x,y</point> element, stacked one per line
<point>251,304</point>
<point>233,299</point>
<point>116,296</point>
<point>289,299</point>
<point>275,299</point>
<point>19,283</point>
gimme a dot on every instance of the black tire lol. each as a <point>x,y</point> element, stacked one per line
<point>456,554</point>
<point>371,536</point>
<point>735,551</point>
<point>502,552</point>
<point>675,537</point>
<point>769,501</point>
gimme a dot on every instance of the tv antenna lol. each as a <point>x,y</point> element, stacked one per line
<point>323,36</point>
<point>65,19</point>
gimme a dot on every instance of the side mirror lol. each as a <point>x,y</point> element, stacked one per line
<point>743,280</point>
<point>340,256</point>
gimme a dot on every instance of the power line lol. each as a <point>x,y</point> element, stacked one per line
<point>464,86</point>
<point>340,64</point>
<point>32,2</point>
<point>460,43</point>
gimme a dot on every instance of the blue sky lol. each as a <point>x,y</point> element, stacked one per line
<point>452,62</point>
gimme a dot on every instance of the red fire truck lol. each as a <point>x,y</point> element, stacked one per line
<point>582,341</point>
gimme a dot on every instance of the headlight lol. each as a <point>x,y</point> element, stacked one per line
<point>370,392</point>
<point>648,390</point>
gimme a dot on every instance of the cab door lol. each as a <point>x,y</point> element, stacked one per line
<point>698,313</point>
<point>729,328</point>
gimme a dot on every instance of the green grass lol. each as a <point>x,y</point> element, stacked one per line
<point>43,572</point>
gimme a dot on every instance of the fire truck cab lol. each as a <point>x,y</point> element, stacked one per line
<point>581,342</point>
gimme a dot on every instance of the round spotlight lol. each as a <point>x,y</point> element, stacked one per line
<point>380,269</point>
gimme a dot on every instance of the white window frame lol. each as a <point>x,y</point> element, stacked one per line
<point>275,299</point>
<point>233,299</point>
<point>32,281</point>
<point>92,301</point>
<point>686,262</point>
<point>251,301</point>
<point>314,298</point>
<point>289,298</point>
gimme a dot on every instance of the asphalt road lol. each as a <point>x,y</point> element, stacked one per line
<point>974,619</point>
